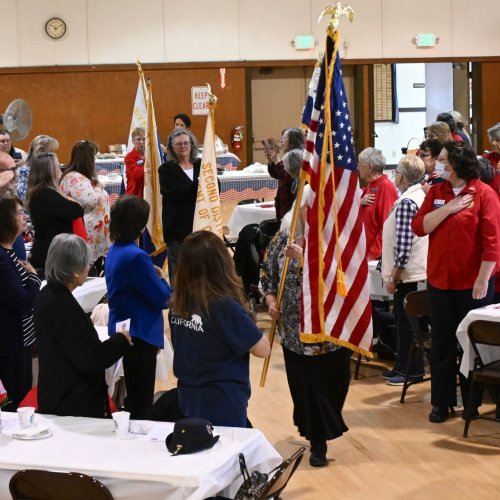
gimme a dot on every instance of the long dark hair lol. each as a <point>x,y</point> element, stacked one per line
<point>205,272</point>
<point>83,159</point>
<point>43,174</point>
<point>8,207</point>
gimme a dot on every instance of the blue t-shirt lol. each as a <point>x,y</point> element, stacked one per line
<point>211,362</point>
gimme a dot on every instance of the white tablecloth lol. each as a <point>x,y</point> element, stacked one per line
<point>137,467</point>
<point>89,294</point>
<point>488,353</point>
<point>250,214</point>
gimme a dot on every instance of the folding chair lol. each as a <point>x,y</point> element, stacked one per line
<point>36,484</point>
<point>284,472</point>
<point>481,335</point>
<point>417,307</point>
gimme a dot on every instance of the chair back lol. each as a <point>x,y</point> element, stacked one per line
<point>35,484</point>
<point>283,473</point>
<point>483,332</point>
<point>416,304</point>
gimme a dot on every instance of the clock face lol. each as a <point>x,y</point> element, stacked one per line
<point>55,28</point>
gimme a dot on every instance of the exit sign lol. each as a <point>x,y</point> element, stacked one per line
<point>426,39</point>
<point>304,42</point>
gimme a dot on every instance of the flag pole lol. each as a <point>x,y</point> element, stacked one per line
<point>291,237</point>
<point>335,11</point>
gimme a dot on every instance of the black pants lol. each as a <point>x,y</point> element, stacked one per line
<point>173,251</point>
<point>448,309</point>
<point>404,334</point>
<point>139,366</point>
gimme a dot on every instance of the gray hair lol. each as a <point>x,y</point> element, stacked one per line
<point>494,132</point>
<point>292,160</point>
<point>412,168</point>
<point>373,157</point>
<point>193,155</point>
<point>68,255</point>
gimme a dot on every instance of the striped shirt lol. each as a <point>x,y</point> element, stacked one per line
<point>27,324</point>
<point>404,233</point>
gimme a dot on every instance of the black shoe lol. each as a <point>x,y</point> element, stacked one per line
<point>318,455</point>
<point>438,415</point>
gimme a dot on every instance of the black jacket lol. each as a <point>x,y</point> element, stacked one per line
<point>71,357</point>
<point>178,199</point>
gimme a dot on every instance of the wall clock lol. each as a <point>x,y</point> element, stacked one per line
<point>55,28</point>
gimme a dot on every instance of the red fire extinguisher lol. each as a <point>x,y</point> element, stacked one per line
<point>236,137</point>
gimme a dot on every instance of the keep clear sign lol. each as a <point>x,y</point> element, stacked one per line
<point>199,100</point>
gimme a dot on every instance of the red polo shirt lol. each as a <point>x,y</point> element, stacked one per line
<point>463,240</point>
<point>375,215</point>
<point>134,168</point>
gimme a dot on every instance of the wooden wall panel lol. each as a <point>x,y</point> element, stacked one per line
<point>485,101</point>
<point>96,102</point>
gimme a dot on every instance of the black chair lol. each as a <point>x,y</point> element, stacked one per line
<point>277,483</point>
<point>485,333</point>
<point>33,484</point>
<point>417,310</point>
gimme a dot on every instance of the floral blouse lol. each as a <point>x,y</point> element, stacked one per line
<point>95,201</point>
<point>289,323</point>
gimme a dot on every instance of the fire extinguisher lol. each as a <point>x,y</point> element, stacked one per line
<point>236,137</point>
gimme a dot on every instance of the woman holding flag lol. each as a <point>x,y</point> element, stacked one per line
<point>318,373</point>
<point>178,187</point>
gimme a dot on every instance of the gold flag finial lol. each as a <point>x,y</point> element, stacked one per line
<point>212,99</point>
<point>335,11</point>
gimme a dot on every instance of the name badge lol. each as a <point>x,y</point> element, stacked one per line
<point>438,203</point>
<point>140,162</point>
<point>374,189</point>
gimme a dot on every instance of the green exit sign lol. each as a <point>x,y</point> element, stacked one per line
<point>426,39</point>
<point>305,42</point>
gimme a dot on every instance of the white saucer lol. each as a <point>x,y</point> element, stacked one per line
<point>44,433</point>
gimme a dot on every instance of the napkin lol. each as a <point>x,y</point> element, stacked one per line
<point>33,431</point>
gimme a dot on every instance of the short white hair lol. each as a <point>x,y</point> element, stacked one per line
<point>68,254</point>
<point>373,157</point>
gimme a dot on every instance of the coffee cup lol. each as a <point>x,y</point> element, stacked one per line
<point>122,422</point>
<point>26,416</point>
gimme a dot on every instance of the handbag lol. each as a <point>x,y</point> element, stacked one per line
<point>253,484</point>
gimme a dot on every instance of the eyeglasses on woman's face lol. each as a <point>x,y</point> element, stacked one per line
<point>183,144</point>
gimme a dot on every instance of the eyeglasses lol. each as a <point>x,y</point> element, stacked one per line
<point>181,144</point>
<point>5,141</point>
<point>140,139</point>
<point>424,155</point>
<point>20,212</point>
<point>394,172</point>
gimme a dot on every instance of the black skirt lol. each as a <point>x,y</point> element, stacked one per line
<point>318,386</point>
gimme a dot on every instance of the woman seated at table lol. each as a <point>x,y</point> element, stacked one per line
<point>137,291</point>
<point>18,290</point>
<point>179,187</point>
<point>460,216</point>
<point>212,333</point>
<point>79,182</point>
<point>71,357</point>
<point>52,212</point>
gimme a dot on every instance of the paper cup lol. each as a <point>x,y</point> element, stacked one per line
<point>122,423</point>
<point>26,416</point>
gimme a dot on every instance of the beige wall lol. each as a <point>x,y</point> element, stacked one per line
<point>121,31</point>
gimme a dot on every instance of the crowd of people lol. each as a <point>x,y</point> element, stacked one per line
<point>436,222</point>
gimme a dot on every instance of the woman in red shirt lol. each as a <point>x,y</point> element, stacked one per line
<point>461,217</point>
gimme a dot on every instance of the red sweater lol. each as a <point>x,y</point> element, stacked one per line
<point>375,215</point>
<point>463,240</point>
<point>134,168</point>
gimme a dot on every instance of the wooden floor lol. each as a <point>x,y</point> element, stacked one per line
<point>391,451</point>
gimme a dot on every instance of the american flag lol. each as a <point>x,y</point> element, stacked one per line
<point>334,233</point>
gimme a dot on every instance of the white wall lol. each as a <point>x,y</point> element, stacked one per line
<point>121,31</point>
<point>393,136</point>
<point>439,89</point>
